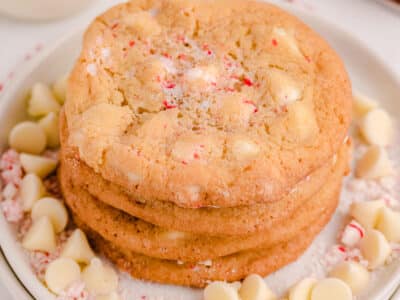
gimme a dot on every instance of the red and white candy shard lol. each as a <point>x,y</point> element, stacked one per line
<point>352,234</point>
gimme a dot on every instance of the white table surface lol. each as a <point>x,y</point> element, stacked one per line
<point>375,25</point>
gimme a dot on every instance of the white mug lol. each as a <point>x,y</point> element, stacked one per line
<point>42,9</point>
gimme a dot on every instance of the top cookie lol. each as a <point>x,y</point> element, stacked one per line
<point>206,103</point>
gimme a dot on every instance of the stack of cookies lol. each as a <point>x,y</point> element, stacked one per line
<point>203,140</point>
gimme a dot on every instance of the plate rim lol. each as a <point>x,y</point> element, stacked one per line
<point>12,89</point>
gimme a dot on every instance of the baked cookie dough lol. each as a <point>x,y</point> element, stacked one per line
<point>242,220</point>
<point>138,236</point>
<point>206,103</point>
<point>229,268</point>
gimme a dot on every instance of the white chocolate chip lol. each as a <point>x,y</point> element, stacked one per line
<point>60,88</point>
<point>375,248</point>
<point>374,164</point>
<point>40,236</point>
<point>376,127</point>
<point>31,190</point>
<point>134,178</point>
<point>61,273</point>
<point>389,224</point>
<point>91,69</point>
<point>362,104</point>
<point>287,39</point>
<point>49,124</point>
<point>99,278</point>
<point>41,166</point>
<point>173,235</point>
<point>169,65</point>
<point>77,247</point>
<point>366,212</point>
<point>352,234</point>
<point>302,289</point>
<point>206,74</point>
<point>244,149</point>
<point>220,291</point>
<point>42,101</point>
<point>236,285</point>
<point>255,288</point>
<point>27,137</point>
<point>52,208</point>
<point>302,123</point>
<point>331,289</point>
<point>284,89</point>
<point>352,273</point>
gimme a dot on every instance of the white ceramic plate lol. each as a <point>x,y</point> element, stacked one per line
<point>368,74</point>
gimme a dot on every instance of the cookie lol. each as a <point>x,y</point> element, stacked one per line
<point>230,268</point>
<point>138,236</point>
<point>241,220</point>
<point>206,103</point>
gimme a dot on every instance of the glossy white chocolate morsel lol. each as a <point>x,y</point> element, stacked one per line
<point>389,224</point>
<point>220,291</point>
<point>302,289</point>
<point>331,289</point>
<point>31,190</point>
<point>352,273</point>
<point>99,278</point>
<point>39,165</point>
<point>374,164</point>
<point>40,237</point>
<point>366,212</point>
<point>362,104</point>
<point>60,88</point>
<point>27,137</point>
<point>52,208</point>
<point>77,247</point>
<point>255,288</point>
<point>42,101</point>
<point>61,273</point>
<point>236,285</point>
<point>376,127</point>
<point>375,248</point>
<point>284,89</point>
<point>244,148</point>
<point>352,234</point>
<point>49,124</point>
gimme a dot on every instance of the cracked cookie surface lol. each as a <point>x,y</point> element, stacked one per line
<point>206,103</point>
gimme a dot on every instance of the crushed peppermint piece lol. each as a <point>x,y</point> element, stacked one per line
<point>274,42</point>
<point>76,291</point>
<point>10,191</point>
<point>247,81</point>
<point>253,104</point>
<point>352,234</point>
<point>12,210</point>
<point>168,105</point>
<point>131,43</point>
<point>91,69</point>
<point>9,159</point>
